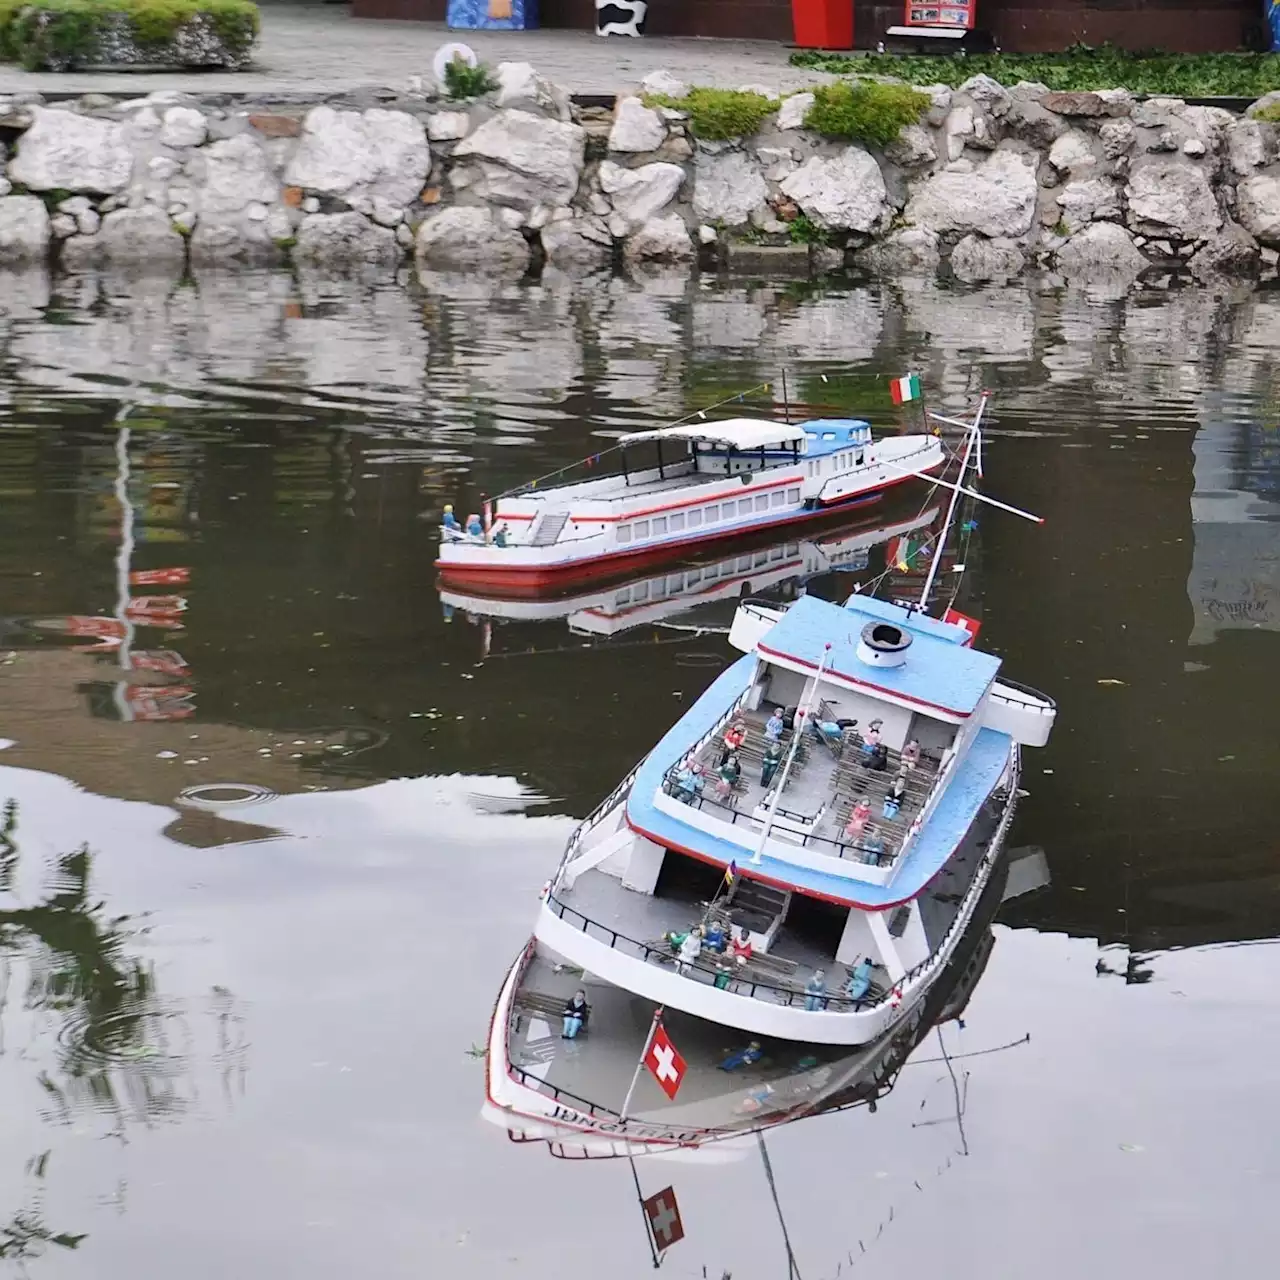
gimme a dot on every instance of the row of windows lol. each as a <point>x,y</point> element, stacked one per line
<point>717,512</point>
<point>677,583</point>
<point>839,462</point>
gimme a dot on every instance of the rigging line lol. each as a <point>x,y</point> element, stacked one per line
<point>951,1071</point>
<point>975,1053</point>
<point>793,1270</point>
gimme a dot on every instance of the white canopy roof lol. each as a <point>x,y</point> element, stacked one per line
<point>733,433</point>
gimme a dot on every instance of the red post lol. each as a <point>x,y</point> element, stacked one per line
<point>823,24</point>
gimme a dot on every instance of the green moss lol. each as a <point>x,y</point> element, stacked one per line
<point>42,33</point>
<point>719,114</point>
<point>1243,75</point>
<point>865,110</point>
<point>1269,115</point>
<point>803,230</point>
<point>461,80</point>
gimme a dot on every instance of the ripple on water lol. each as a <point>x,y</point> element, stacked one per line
<point>224,795</point>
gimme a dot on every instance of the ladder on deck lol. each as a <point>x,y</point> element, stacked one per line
<point>548,528</point>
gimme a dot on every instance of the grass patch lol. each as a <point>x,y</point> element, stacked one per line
<point>1234,75</point>
<point>803,230</point>
<point>1270,115</point>
<point>719,114</point>
<point>865,110</point>
<point>462,80</point>
<point>42,33</point>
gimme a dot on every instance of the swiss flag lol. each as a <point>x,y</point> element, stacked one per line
<point>665,1064</point>
<point>958,619</point>
<point>664,1219</point>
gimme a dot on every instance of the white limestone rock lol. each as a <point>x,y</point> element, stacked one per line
<point>354,154</point>
<point>521,160</point>
<point>664,85</point>
<point>1250,145</point>
<point>1102,248</point>
<point>1229,252</point>
<point>448,126</point>
<point>976,258</point>
<point>521,87</point>
<point>997,199</point>
<point>88,222</point>
<point>183,127</point>
<point>1088,201</point>
<point>1267,100</point>
<point>578,244</point>
<point>1258,207</point>
<point>62,225</point>
<point>1171,196</point>
<point>24,229</point>
<point>1117,137</point>
<point>638,194</point>
<point>958,130</point>
<point>69,152</point>
<point>912,149</point>
<point>636,127</point>
<point>990,95</point>
<point>228,176</point>
<point>1073,153</point>
<point>141,239</point>
<point>793,110</point>
<point>727,187</point>
<point>778,162</point>
<point>908,250</point>
<point>470,236</point>
<point>344,239</point>
<point>664,239</point>
<point>845,192</point>
<point>221,243</point>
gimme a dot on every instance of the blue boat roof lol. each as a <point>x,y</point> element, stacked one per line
<point>938,673</point>
<point>975,778</point>
<point>827,435</point>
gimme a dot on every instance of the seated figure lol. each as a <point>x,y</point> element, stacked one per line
<point>872,847</point>
<point>860,979</point>
<point>450,521</point>
<point>474,527</point>
<point>770,763</point>
<point>743,1058</point>
<point>774,726</point>
<point>911,754</point>
<point>729,773</point>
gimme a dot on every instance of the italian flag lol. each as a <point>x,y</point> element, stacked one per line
<point>906,388</point>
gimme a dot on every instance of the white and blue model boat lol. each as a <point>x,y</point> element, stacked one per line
<point>800,903</point>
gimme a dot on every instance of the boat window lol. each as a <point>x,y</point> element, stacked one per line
<point>695,576</point>
<point>828,435</point>
<point>744,564</point>
<point>642,528</point>
<point>777,498</point>
<point>695,519</point>
<point>793,495</point>
<point>777,553</point>
<point>858,460</point>
<point>642,591</point>
<point>744,506</point>
<point>677,521</point>
<point>675,585</point>
<point>624,533</point>
<point>659,525</point>
<point>623,596</point>
<point>762,502</point>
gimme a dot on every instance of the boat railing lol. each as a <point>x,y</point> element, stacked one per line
<point>1004,690</point>
<point>575,836</point>
<point>824,844</point>
<point>738,983</point>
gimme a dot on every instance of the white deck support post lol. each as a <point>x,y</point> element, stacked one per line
<point>884,944</point>
<point>798,726</point>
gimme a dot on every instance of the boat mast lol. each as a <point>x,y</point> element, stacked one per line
<point>802,714</point>
<point>974,430</point>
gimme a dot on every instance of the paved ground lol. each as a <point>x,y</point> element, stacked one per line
<point>318,49</point>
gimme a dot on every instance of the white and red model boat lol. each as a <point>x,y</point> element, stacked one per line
<point>701,482</point>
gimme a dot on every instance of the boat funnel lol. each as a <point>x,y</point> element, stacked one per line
<point>883,645</point>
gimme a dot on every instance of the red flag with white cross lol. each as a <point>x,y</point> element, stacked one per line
<point>664,1062</point>
<point>958,619</point>
<point>664,1219</point>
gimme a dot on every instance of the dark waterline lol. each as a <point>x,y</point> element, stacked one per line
<point>234,1036</point>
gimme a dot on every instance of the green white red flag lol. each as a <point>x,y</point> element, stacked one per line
<point>905,388</point>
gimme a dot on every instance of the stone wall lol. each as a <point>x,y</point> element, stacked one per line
<point>991,180</point>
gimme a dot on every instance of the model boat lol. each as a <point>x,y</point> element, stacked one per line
<point>678,488</point>
<point>789,869</point>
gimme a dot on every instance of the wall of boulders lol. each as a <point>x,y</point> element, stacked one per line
<point>991,181</point>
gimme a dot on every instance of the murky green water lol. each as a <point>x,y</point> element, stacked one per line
<point>274,836</point>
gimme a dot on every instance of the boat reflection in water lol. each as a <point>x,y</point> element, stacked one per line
<point>543,1088</point>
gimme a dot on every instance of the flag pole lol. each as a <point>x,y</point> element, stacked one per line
<point>631,1160</point>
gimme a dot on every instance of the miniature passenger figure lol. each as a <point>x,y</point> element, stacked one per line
<point>690,949</point>
<point>474,527</point>
<point>859,816</point>
<point>734,738</point>
<point>774,726</point>
<point>688,782</point>
<point>872,847</point>
<point>730,772</point>
<point>872,739</point>
<point>911,754</point>
<point>815,989</point>
<point>576,1013</point>
<point>769,765</point>
<point>741,945</point>
<point>500,538</point>
<point>450,521</point>
<point>893,801</point>
<point>743,1058</point>
<point>714,939</point>
<point>860,979</point>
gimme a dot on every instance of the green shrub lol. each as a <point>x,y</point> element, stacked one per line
<point>1240,75</point>
<point>1271,114</point>
<point>462,80</point>
<point>42,33</point>
<point>719,114</point>
<point>865,110</point>
<point>803,230</point>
